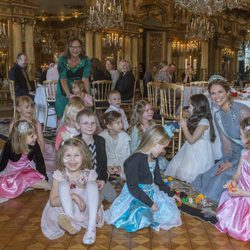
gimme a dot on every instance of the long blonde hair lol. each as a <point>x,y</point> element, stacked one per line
<point>136,118</point>
<point>25,100</point>
<point>72,108</point>
<point>154,134</point>
<point>21,129</point>
<point>84,151</point>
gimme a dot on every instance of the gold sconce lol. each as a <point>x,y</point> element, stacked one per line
<point>227,53</point>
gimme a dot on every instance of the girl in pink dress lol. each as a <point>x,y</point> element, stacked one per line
<point>17,173</point>
<point>78,90</point>
<point>26,111</point>
<point>233,212</point>
<point>68,128</point>
<point>73,201</point>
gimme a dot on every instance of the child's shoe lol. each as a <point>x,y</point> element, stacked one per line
<point>65,222</point>
<point>89,236</point>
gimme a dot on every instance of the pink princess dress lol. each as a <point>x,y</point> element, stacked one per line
<point>17,173</point>
<point>49,225</point>
<point>233,213</point>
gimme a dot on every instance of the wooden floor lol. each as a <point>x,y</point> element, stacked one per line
<point>20,229</point>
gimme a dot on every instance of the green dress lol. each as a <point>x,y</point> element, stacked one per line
<point>70,74</point>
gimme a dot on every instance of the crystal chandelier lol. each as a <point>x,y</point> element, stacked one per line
<point>200,28</point>
<point>185,46</point>
<point>105,14</point>
<point>209,7</point>
<point>112,40</point>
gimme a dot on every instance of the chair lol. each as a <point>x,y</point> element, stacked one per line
<point>100,92</point>
<point>171,102</point>
<point>129,104</point>
<point>141,85</point>
<point>154,94</point>
<point>50,94</point>
<point>13,96</point>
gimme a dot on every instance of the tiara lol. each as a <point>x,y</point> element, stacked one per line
<point>216,78</point>
<point>23,127</point>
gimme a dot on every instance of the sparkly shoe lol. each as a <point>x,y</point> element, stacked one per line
<point>89,236</point>
<point>65,223</point>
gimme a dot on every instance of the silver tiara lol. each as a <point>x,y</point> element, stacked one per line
<point>23,127</point>
<point>216,78</point>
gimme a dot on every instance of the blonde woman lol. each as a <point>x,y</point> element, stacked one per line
<point>126,81</point>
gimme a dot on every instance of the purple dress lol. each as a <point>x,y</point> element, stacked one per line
<point>233,213</point>
<point>18,176</point>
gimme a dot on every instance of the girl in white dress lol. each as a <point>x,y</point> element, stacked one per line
<point>196,155</point>
<point>117,143</point>
<point>73,201</point>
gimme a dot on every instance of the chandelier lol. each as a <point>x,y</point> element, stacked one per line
<point>200,28</point>
<point>227,53</point>
<point>105,14</point>
<point>4,39</point>
<point>185,46</point>
<point>112,40</point>
<point>209,7</point>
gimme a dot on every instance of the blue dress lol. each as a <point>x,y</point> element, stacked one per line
<point>228,125</point>
<point>131,214</point>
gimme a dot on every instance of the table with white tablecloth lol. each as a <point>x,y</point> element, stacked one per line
<point>40,106</point>
<point>192,90</point>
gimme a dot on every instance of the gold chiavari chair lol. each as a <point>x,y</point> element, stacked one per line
<point>100,92</point>
<point>154,95</point>
<point>171,102</point>
<point>50,94</point>
<point>13,96</point>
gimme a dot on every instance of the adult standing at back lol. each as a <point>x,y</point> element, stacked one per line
<point>110,66</point>
<point>126,81</point>
<point>21,79</point>
<point>98,71</point>
<point>73,65</point>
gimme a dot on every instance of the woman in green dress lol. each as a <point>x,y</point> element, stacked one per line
<point>73,65</point>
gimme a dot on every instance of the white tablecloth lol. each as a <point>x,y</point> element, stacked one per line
<point>40,105</point>
<point>192,90</point>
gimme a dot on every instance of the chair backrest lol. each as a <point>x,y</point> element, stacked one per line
<point>154,94</point>
<point>171,101</point>
<point>199,83</point>
<point>50,90</point>
<point>100,90</point>
<point>13,95</point>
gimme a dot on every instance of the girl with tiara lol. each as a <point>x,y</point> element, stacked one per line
<point>145,200</point>
<point>73,201</point>
<point>196,155</point>
<point>17,173</point>
<point>233,212</point>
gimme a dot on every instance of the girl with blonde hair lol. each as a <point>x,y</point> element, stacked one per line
<point>68,128</point>
<point>73,201</point>
<point>17,173</point>
<point>145,199</point>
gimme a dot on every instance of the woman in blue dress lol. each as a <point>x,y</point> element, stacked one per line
<point>145,200</point>
<point>73,65</point>
<point>227,120</point>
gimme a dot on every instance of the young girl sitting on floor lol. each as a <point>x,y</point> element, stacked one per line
<point>25,111</point>
<point>73,201</point>
<point>68,128</point>
<point>141,119</point>
<point>117,143</point>
<point>144,200</point>
<point>78,90</point>
<point>17,174</point>
<point>233,212</point>
<point>196,155</point>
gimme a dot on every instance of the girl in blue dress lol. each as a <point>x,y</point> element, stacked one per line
<point>145,200</point>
